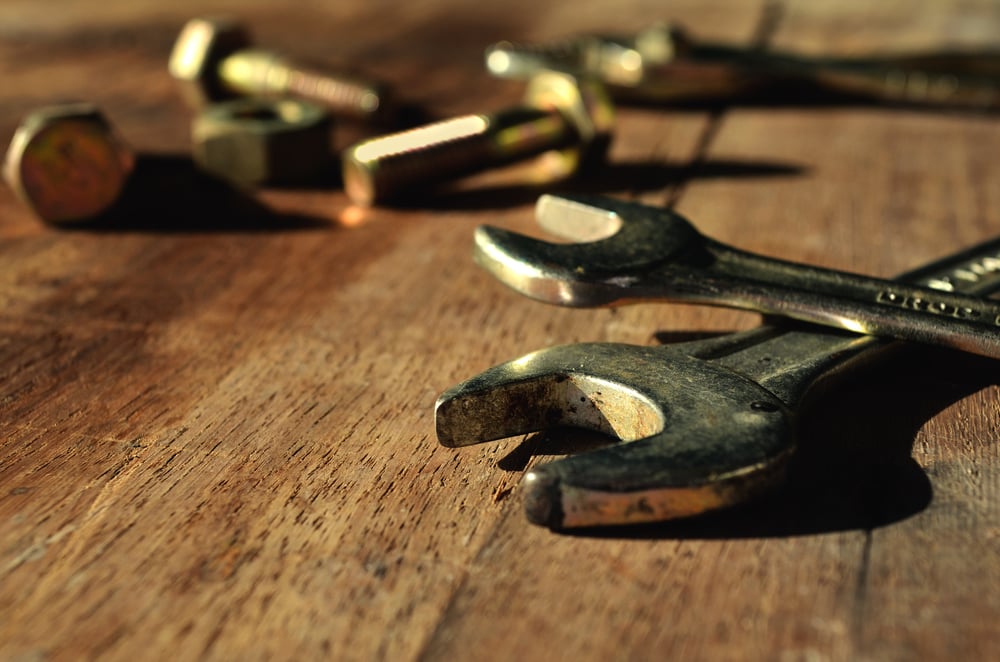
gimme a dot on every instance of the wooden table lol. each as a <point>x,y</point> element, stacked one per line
<point>217,413</point>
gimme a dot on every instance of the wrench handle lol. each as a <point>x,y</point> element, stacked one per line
<point>790,362</point>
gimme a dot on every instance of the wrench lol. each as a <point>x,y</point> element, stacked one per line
<point>664,64</point>
<point>710,423</point>
<point>656,254</point>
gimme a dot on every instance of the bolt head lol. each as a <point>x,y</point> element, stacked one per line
<point>585,103</point>
<point>199,50</point>
<point>255,140</point>
<point>67,164</point>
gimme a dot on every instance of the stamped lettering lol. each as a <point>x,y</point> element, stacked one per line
<point>934,307</point>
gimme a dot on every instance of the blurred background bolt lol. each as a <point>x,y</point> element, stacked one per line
<point>653,62</point>
<point>664,64</point>
<point>255,140</point>
<point>213,61</point>
<point>67,163</point>
<point>563,115</point>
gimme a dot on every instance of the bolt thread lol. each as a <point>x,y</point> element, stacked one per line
<point>343,95</point>
<point>257,72</point>
<point>384,167</point>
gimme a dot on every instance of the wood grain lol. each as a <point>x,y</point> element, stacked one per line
<point>217,429</point>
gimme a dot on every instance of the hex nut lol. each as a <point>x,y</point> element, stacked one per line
<point>197,55</point>
<point>254,140</point>
<point>584,103</point>
<point>67,163</point>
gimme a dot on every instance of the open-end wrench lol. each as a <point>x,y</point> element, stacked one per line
<point>664,64</point>
<point>649,253</point>
<point>710,423</point>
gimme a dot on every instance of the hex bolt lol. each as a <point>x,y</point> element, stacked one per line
<point>615,60</point>
<point>664,64</point>
<point>213,61</point>
<point>67,163</point>
<point>563,115</point>
<point>256,140</point>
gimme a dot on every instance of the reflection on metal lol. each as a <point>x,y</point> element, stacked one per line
<point>664,64</point>
<point>564,115</point>
<point>212,60</point>
<point>67,163</point>
<point>647,253</point>
<point>708,424</point>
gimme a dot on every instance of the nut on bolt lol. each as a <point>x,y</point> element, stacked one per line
<point>255,141</point>
<point>563,114</point>
<point>67,163</point>
<point>212,59</point>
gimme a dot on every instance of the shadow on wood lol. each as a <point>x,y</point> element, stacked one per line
<point>166,193</point>
<point>802,96</point>
<point>614,177</point>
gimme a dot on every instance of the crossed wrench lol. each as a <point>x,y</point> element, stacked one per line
<point>710,423</point>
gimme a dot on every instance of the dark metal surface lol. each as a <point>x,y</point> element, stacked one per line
<point>665,64</point>
<point>655,254</point>
<point>710,423</point>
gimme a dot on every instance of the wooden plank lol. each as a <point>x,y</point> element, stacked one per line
<point>218,436</point>
<point>863,556</point>
<point>217,414</point>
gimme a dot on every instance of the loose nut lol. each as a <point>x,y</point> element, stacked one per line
<point>256,141</point>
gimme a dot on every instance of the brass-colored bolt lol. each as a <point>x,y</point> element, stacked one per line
<point>67,163</point>
<point>255,140</point>
<point>562,113</point>
<point>616,60</point>
<point>213,61</point>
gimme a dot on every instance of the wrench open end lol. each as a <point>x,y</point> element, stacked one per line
<point>546,389</point>
<point>701,437</point>
<point>619,241</point>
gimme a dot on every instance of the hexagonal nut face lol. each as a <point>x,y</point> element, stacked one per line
<point>583,102</point>
<point>256,141</point>
<point>199,50</point>
<point>67,164</point>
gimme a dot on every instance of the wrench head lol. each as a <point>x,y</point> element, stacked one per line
<point>618,244</point>
<point>698,437</point>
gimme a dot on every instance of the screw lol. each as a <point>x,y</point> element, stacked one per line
<point>213,60</point>
<point>67,163</point>
<point>563,114</point>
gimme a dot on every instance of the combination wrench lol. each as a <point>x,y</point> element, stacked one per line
<point>665,64</point>
<point>644,253</point>
<point>709,424</point>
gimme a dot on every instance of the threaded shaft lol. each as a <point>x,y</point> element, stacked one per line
<point>342,94</point>
<point>258,72</point>
<point>384,167</point>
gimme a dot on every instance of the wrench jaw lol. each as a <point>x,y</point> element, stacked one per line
<point>543,390</point>
<point>701,437</point>
<point>563,496</point>
<point>621,246</point>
